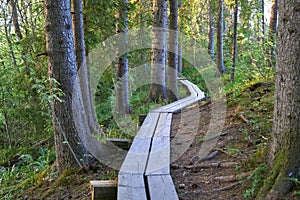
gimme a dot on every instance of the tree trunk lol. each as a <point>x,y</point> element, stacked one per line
<point>220,53</point>
<point>81,62</point>
<point>272,30</point>
<point>158,60</point>
<point>284,154</point>
<point>180,58</point>
<point>211,35</point>
<point>143,28</point>
<point>179,44</point>
<point>122,99</point>
<point>234,46</point>
<point>273,17</point>
<point>173,49</point>
<point>263,17</point>
<point>15,19</point>
<point>70,148</point>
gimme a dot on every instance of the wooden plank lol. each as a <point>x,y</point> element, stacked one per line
<point>161,188</point>
<point>148,126</point>
<point>174,104</point>
<point>163,125</point>
<point>131,175</point>
<point>190,87</point>
<point>136,159</point>
<point>199,92</point>
<point>179,106</point>
<point>183,105</point>
<point>159,158</point>
<point>104,190</point>
<point>131,186</point>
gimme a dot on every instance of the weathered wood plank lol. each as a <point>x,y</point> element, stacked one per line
<point>189,87</point>
<point>161,188</point>
<point>149,125</point>
<point>131,186</point>
<point>155,131</point>
<point>131,175</point>
<point>159,158</point>
<point>174,104</point>
<point>136,159</point>
<point>163,125</point>
<point>199,92</point>
<point>183,105</point>
<point>104,190</point>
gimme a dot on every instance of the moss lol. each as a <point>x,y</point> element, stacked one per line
<point>272,178</point>
<point>36,180</point>
<point>65,179</point>
<point>257,158</point>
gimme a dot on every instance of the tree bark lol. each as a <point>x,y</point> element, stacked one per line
<point>158,90</point>
<point>70,148</point>
<point>220,53</point>
<point>143,28</point>
<point>15,19</point>
<point>180,64</point>
<point>273,30</point>
<point>179,43</point>
<point>81,61</point>
<point>234,40</point>
<point>284,154</point>
<point>173,49</point>
<point>263,17</point>
<point>211,34</point>
<point>122,99</point>
<point>273,17</point>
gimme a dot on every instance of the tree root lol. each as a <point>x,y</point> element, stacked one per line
<point>209,157</point>
<point>232,178</point>
<point>210,165</point>
<point>227,187</point>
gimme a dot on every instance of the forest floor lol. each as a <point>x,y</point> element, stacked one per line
<point>234,171</point>
<point>224,175</point>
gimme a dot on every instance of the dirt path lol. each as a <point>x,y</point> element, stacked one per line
<point>219,177</point>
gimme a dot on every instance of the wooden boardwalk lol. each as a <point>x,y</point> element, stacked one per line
<point>145,173</point>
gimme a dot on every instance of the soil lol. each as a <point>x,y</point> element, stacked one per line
<point>212,180</point>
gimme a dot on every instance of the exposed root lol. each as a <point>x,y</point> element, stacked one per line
<point>227,187</point>
<point>232,178</point>
<point>213,165</point>
<point>209,157</point>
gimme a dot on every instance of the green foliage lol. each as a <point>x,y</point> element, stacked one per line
<point>23,77</point>
<point>297,183</point>
<point>257,177</point>
<point>24,174</point>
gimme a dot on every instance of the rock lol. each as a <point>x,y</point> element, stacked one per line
<point>181,186</point>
